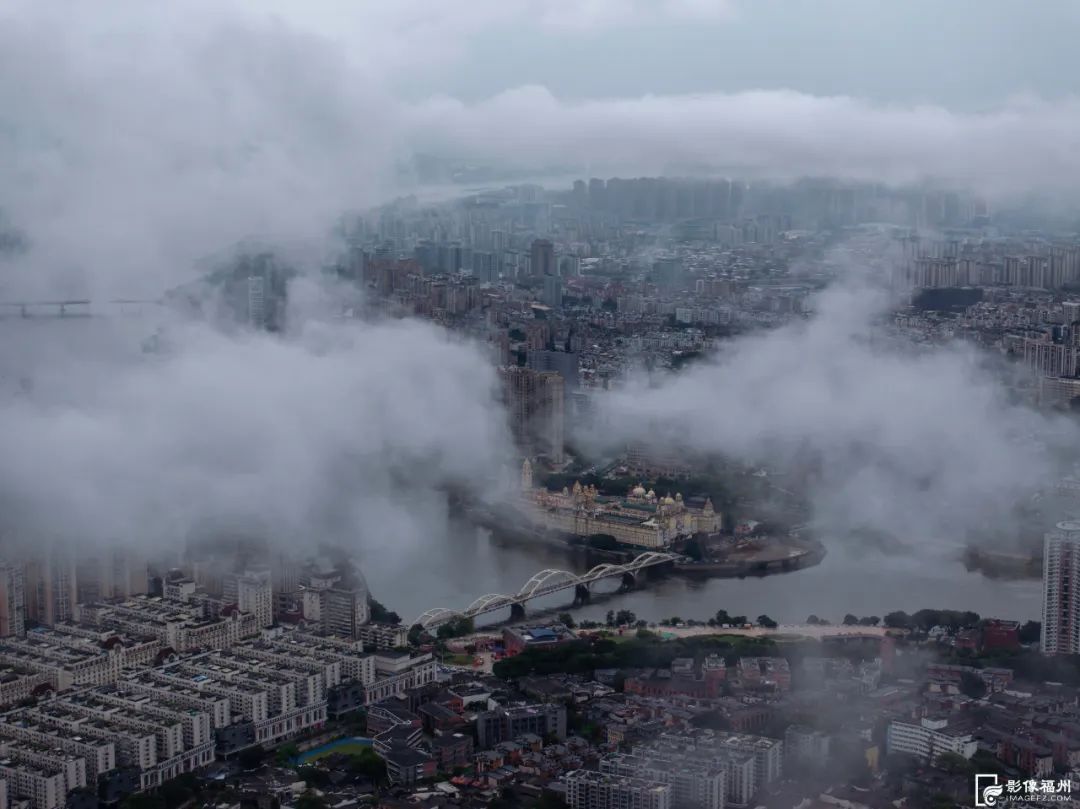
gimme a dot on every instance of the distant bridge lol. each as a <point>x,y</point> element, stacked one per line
<point>544,583</point>
<point>72,308</point>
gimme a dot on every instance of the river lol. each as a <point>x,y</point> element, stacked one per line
<point>468,562</point>
<point>471,562</point>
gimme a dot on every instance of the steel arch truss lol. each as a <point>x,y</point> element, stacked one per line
<point>434,617</point>
<point>648,558</point>
<point>603,571</point>
<point>547,580</point>
<point>541,580</point>
<point>491,601</point>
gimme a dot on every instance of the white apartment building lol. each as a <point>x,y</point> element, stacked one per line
<point>742,778</point>
<point>335,596</point>
<point>267,698</point>
<point>49,585</point>
<point>355,664</point>
<point>398,672</point>
<point>586,789</point>
<point>251,591</point>
<point>244,699</point>
<point>383,636</point>
<point>280,691</point>
<point>1045,358</point>
<point>307,677</point>
<point>16,684</point>
<point>98,753</point>
<point>167,690</point>
<point>12,600</point>
<point>328,669</point>
<point>695,784</point>
<point>71,655</point>
<point>135,746</point>
<point>71,767</point>
<point>806,746</point>
<point>90,733</point>
<point>196,725</point>
<point>742,756</point>
<point>928,739</point>
<point>44,788</point>
<point>168,731</point>
<point>767,753</point>
<point>1061,604</point>
<point>182,627</point>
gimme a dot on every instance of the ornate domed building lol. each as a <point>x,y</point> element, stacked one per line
<point>640,518</point>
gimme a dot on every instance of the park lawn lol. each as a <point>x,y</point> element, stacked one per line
<point>348,748</point>
<point>737,639</point>
<point>458,660</point>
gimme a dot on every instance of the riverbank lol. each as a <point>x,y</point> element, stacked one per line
<point>779,556</point>
<point>1001,564</point>
<point>781,631</point>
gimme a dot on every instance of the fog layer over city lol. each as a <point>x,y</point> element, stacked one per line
<point>341,433</point>
<point>371,435</point>
<point>137,142</point>
<point>923,446</point>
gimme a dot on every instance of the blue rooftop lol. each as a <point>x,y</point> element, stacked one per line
<point>542,633</point>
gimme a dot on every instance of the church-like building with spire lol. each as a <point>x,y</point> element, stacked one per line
<point>641,518</point>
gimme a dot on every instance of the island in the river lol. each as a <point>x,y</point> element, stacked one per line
<point>621,527</point>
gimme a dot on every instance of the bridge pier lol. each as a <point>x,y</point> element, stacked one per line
<point>628,582</point>
<point>517,612</point>
<point>656,571</point>
<point>582,595</point>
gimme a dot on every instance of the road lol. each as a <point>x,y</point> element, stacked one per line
<point>805,630</point>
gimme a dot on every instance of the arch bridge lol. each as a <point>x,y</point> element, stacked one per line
<point>542,583</point>
<point>73,308</point>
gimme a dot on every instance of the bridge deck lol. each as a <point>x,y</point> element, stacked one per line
<point>545,582</point>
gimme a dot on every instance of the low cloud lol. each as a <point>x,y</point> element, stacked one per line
<point>335,434</point>
<point>134,148</point>
<point>138,140</point>
<point>922,445</point>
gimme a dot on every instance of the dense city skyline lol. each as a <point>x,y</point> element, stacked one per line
<point>253,99</point>
<point>578,404</point>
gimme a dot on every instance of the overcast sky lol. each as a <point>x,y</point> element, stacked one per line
<point>961,53</point>
<point>138,137</point>
<point>965,54</point>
